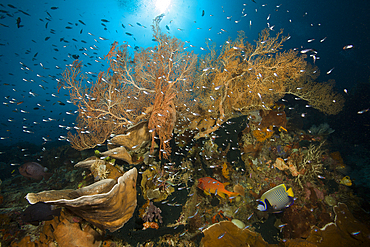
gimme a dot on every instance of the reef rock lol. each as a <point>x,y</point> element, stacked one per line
<point>346,230</point>
<point>68,231</point>
<point>107,204</point>
<point>226,233</point>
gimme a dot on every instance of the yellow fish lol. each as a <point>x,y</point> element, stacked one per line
<point>281,128</point>
<point>346,181</point>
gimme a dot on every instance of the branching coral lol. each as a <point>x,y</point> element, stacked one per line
<point>307,165</point>
<point>152,213</point>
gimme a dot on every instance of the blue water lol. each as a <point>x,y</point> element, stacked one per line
<point>32,65</point>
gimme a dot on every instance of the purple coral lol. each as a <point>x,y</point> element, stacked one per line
<point>152,212</point>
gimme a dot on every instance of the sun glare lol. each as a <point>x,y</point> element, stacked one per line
<point>162,5</point>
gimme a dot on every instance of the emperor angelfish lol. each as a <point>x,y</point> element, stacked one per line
<point>276,198</point>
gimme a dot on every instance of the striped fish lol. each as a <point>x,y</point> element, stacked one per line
<point>276,198</point>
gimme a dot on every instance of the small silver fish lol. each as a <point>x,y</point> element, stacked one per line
<point>363,111</point>
<point>223,234</point>
<point>347,47</point>
<point>306,50</point>
<point>329,71</point>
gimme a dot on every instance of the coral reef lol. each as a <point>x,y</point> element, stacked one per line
<point>299,220</point>
<point>232,98</point>
<point>68,231</point>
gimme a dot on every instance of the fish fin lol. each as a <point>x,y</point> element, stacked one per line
<point>291,201</point>
<point>225,184</point>
<point>277,212</point>
<point>56,212</point>
<point>207,193</point>
<point>290,192</point>
<point>221,194</point>
<point>49,217</point>
<point>262,206</point>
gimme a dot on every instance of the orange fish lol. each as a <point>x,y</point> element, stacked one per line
<point>212,186</point>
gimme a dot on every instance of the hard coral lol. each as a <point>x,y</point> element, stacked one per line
<point>226,233</point>
<point>132,138</point>
<point>152,212</point>
<point>108,204</point>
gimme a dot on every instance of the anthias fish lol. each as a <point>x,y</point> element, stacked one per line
<point>212,186</point>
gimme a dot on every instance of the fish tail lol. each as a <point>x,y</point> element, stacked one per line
<point>231,194</point>
<point>290,192</point>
